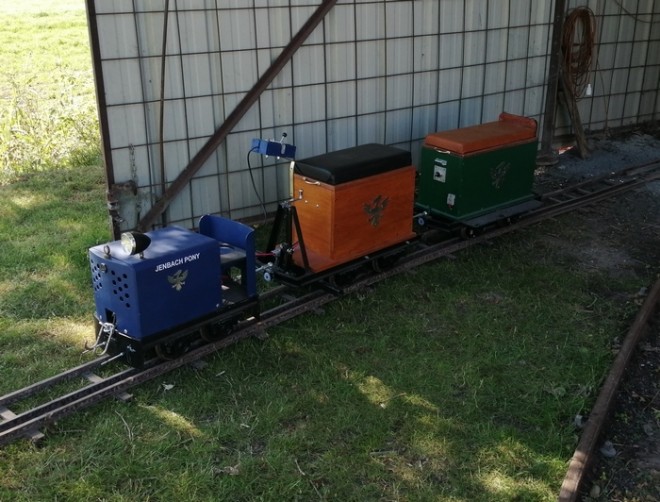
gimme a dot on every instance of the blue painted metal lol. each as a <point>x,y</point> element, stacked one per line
<point>177,281</point>
<point>273,148</point>
<point>237,247</point>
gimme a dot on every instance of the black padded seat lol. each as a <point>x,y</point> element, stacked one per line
<point>353,163</point>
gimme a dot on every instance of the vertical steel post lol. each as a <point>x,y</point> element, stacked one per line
<point>546,155</point>
<point>102,111</point>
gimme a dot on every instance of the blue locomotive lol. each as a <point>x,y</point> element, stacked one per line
<point>157,292</point>
<point>154,292</point>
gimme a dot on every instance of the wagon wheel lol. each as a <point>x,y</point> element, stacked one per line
<point>172,350</point>
<point>468,232</point>
<point>514,218</point>
<point>384,263</point>
<point>340,280</point>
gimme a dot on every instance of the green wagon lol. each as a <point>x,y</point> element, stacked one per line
<point>480,174</point>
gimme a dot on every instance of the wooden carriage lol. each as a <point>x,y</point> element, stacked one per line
<point>351,203</point>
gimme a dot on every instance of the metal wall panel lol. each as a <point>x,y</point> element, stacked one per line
<point>627,49</point>
<point>387,71</point>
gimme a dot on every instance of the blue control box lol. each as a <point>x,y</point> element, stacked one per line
<point>177,280</point>
<point>273,148</point>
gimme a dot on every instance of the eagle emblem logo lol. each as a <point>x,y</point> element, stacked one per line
<point>498,173</point>
<point>178,279</point>
<point>375,208</point>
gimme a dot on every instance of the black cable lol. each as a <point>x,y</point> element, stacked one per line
<point>254,185</point>
<point>636,17</point>
<point>161,126</point>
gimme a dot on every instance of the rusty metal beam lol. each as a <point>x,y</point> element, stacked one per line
<point>102,109</point>
<point>235,116</point>
<point>584,453</point>
<point>546,155</point>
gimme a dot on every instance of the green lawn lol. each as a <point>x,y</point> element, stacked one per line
<point>47,104</point>
<point>457,381</point>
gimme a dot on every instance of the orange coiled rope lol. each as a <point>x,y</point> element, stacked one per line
<point>578,44</point>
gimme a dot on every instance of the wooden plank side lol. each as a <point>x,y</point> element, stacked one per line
<point>344,222</point>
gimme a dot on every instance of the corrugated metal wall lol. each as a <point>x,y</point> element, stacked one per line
<point>372,71</point>
<point>625,74</point>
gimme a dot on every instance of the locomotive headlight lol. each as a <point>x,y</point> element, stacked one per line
<point>134,242</point>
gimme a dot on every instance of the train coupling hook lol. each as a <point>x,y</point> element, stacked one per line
<point>421,218</point>
<point>267,271</point>
<point>107,328</point>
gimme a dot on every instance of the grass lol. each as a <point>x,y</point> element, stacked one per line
<point>455,382</point>
<point>47,104</point>
<point>47,222</point>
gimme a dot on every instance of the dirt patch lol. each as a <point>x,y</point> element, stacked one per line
<point>622,237</point>
<point>608,155</point>
<point>628,466</point>
<point>626,239</point>
<point>624,234</point>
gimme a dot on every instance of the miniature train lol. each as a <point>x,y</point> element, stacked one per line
<point>156,292</point>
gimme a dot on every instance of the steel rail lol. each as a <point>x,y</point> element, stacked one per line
<point>633,171</point>
<point>599,414</point>
<point>63,401</point>
<point>69,374</point>
<point>27,422</point>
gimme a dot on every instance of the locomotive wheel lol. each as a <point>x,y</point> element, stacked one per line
<point>212,333</point>
<point>171,350</point>
<point>207,333</point>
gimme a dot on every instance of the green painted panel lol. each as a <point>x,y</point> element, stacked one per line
<point>465,186</point>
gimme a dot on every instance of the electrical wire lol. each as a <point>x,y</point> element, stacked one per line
<point>578,44</point>
<point>161,124</point>
<point>637,17</point>
<point>254,186</point>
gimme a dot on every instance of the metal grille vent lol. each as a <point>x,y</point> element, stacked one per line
<point>97,281</point>
<point>120,287</point>
<point>118,281</point>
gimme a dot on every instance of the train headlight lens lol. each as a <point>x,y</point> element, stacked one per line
<point>134,242</point>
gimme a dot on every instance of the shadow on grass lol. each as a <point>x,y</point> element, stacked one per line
<point>455,382</point>
<point>465,391</point>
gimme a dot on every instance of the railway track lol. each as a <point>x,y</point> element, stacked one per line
<point>29,423</point>
<point>583,457</point>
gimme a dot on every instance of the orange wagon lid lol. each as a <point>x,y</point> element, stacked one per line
<point>509,129</point>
